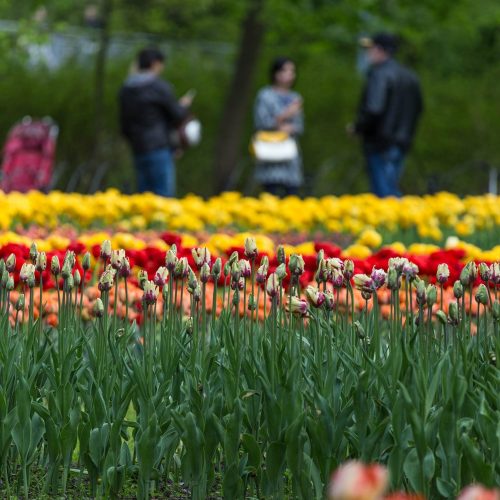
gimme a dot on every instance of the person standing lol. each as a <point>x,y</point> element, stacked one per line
<point>149,116</point>
<point>389,109</point>
<point>279,108</point>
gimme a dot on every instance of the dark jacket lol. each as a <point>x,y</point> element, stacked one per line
<point>149,112</point>
<point>390,106</point>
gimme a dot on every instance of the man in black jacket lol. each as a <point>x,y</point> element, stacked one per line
<point>149,115</point>
<point>388,113</point>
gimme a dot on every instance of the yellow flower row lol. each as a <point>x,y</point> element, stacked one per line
<point>220,243</point>
<point>350,214</point>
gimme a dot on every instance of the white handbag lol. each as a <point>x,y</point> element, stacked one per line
<point>274,147</point>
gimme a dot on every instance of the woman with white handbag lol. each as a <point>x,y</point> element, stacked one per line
<point>279,120</point>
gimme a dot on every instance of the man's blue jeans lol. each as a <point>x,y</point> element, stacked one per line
<point>384,170</point>
<point>156,172</point>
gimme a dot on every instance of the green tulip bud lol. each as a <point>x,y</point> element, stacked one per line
<point>55,267</point>
<point>20,302</point>
<point>296,264</point>
<point>458,289</point>
<point>216,268</point>
<point>98,308</point>
<point>495,310</point>
<point>431,295</point>
<point>77,278</point>
<point>41,262</point>
<point>421,293</point>
<point>5,278</point>
<point>10,263</point>
<point>441,316</point>
<point>86,261</point>
<point>393,281</point>
<point>348,269</point>
<point>33,252</point>
<point>233,258</point>
<point>482,295</point>
<point>281,255</point>
<point>205,273</point>
<point>484,272</point>
<point>453,312</point>
<point>281,272</point>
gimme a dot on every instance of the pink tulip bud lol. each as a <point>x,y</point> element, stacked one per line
<point>479,492</point>
<point>124,270</point>
<point>356,481</point>
<point>201,256</point>
<point>171,258</point>
<point>484,272</point>
<point>251,251</point>
<point>107,279</point>
<point>246,269</point>
<point>378,277</point>
<point>337,278</point>
<point>495,273</point>
<point>272,285</point>
<point>298,306</point>
<point>314,296</point>
<point>105,250</point>
<point>150,293</point>
<point>161,276</point>
<point>205,273</point>
<point>117,257</point>
<point>442,273</point>
<point>348,269</point>
<point>363,282</point>
<point>329,300</point>
<point>398,263</point>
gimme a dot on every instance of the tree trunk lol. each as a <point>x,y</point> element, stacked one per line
<point>97,163</point>
<point>227,147</point>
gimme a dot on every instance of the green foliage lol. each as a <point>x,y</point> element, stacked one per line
<point>451,44</point>
<point>257,408</point>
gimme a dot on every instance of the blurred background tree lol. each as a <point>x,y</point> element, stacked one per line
<point>68,60</point>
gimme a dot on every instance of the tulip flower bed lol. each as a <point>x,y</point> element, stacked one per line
<point>409,219</point>
<point>295,375</point>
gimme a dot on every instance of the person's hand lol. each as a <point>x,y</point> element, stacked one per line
<point>350,129</point>
<point>294,108</point>
<point>187,99</point>
<point>290,111</point>
<point>288,128</point>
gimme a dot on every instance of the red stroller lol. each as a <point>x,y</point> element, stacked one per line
<point>29,154</point>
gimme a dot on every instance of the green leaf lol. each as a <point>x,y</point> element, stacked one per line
<point>252,448</point>
<point>275,460</point>
<point>429,465</point>
<point>413,471</point>
<point>95,446</point>
<point>482,471</point>
<point>194,442</point>
<point>146,446</point>
<point>446,488</point>
<point>232,485</point>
